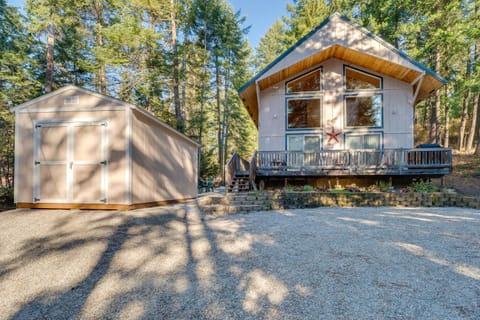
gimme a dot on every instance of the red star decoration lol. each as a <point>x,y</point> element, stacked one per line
<point>333,135</point>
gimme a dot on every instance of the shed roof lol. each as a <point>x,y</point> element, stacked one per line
<point>115,103</point>
<point>338,37</point>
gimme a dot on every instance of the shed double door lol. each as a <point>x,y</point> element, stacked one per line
<point>70,164</point>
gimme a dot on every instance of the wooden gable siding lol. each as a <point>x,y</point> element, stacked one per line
<point>360,59</point>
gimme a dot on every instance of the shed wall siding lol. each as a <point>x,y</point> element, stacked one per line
<point>397,112</point>
<point>164,166</point>
<point>24,148</point>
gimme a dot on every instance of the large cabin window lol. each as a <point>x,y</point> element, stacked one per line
<point>363,111</point>
<point>310,82</point>
<point>363,141</point>
<point>363,100</point>
<point>304,113</point>
<point>359,80</point>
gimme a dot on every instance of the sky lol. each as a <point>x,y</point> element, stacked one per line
<point>260,14</point>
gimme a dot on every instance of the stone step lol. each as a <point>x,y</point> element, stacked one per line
<point>248,197</point>
<point>210,200</point>
<point>221,210</point>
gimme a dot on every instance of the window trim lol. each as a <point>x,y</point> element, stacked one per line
<point>363,134</point>
<point>320,69</point>
<point>287,98</point>
<point>346,126</point>
<point>345,67</point>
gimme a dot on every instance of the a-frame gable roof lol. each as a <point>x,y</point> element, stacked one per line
<point>338,37</point>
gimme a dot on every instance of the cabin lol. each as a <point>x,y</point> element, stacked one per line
<point>339,103</point>
<point>75,148</point>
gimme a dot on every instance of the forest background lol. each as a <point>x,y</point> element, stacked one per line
<point>183,61</point>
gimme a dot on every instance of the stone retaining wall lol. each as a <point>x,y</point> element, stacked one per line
<point>293,200</point>
<point>218,205</point>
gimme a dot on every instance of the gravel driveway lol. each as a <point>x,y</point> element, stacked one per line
<point>170,263</point>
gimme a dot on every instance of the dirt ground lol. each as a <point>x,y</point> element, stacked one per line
<point>173,263</point>
<point>465,178</point>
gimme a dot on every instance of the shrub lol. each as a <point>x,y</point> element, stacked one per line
<point>424,186</point>
<point>307,188</point>
<point>6,196</point>
<point>383,186</point>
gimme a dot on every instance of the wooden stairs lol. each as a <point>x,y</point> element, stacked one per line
<point>240,182</point>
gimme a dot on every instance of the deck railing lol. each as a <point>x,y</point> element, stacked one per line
<point>387,161</point>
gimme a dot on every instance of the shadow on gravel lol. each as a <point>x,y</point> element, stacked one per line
<point>69,303</point>
<point>302,264</point>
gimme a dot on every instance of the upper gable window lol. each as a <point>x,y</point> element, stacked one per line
<point>359,80</point>
<point>310,82</point>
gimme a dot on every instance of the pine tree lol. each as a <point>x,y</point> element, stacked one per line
<point>304,16</point>
<point>19,75</point>
<point>51,17</point>
<point>271,45</point>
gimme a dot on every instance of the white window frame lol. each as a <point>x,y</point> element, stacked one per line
<point>363,134</point>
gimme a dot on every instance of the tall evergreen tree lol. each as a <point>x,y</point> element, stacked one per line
<point>19,74</point>
<point>271,45</point>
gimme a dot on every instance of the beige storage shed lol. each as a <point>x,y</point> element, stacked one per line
<point>75,148</point>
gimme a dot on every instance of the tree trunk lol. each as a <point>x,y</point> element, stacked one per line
<point>219,117</point>
<point>446,141</point>
<point>466,100</point>
<point>50,58</point>
<point>463,121</point>
<point>176,72</point>
<point>473,126</point>
<point>225,111</point>
<point>101,82</point>
<point>425,113</point>
<point>203,89</point>
<point>476,101</point>
<point>431,136</point>
<point>438,101</point>
<point>477,149</point>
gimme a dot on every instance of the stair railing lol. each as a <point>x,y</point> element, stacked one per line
<point>231,168</point>
<point>252,170</point>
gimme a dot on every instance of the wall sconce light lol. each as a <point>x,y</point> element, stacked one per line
<point>275,116</point>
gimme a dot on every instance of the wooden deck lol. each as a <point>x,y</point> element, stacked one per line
<point>388,162</point>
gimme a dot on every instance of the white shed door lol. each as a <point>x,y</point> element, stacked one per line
<point>70,162</point>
